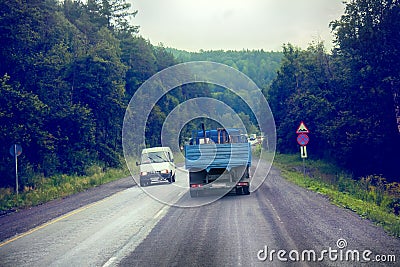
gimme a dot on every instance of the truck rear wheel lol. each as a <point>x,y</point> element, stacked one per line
<point>246,190</point>
<point>194,193</point>
<point>239,190</point>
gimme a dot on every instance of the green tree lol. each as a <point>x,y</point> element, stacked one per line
<point>24,31</point>
<point>114,14</point>
<point>99,85</point>
<point>367,44</point>
<point>22,116</point>
<point>138,56</point>
<point>164,58</point>
<point>303,91</point>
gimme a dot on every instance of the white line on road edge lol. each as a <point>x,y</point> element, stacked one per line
<point>160,212</point>
<point>110,262</point>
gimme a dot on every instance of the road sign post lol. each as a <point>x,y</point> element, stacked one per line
<point>15,151</point>
<point>302,140</point>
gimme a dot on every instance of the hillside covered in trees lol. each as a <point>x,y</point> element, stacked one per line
<point>349,97</point>
<point>69,68</point>
<point>259,65</point>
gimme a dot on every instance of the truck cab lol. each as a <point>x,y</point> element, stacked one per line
<point>156,166</point>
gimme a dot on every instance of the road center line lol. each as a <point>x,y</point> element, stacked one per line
<point>110,262</point>
<point>160,212</point>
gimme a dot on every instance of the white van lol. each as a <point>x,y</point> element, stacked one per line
<point>156,165</point>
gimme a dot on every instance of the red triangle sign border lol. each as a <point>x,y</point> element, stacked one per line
<point>302,128</point>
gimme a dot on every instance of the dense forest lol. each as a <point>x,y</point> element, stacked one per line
<point>69,68</point>
<point>259,65</point>
<point>350,97</point>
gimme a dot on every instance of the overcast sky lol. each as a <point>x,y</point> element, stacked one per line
<point>236,24</point>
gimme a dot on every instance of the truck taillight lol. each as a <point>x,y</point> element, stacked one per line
<point>242,184</point>
<point>196,185</point>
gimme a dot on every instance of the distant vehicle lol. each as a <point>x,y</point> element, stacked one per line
<point>218,160</point>
<point>156,166</point>
<point>253,139</point>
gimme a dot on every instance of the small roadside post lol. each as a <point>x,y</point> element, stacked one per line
<point>15,151</point>
<point>302,140</point>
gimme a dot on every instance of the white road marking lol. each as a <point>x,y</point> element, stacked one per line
<point>110,262</point>
<point>158,214</point>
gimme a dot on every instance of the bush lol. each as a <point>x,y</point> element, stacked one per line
<point>257,151</point>
<point>93,170</point>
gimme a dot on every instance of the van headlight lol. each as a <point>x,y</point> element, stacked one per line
<point>143,173</point>
<point>165,171</point>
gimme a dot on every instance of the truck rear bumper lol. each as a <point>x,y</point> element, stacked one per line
<point>219,189</point>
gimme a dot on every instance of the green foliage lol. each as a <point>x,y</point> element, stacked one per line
<point>68,69</point>
<point>349,98</point>
<point>257,151</point>
<point>259,65</point>
<point>22,116</point>
<point>368,39</point>
<point>302,91</point>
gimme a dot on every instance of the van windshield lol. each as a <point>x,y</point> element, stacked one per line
<point>154,157</point>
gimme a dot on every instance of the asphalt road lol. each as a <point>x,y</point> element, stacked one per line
<point>129,228</point>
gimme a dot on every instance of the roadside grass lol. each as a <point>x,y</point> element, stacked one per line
<point>371,197</point>
<point>42,189</point>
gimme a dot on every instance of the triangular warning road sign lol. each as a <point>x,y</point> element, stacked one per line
<point>302,129</point>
